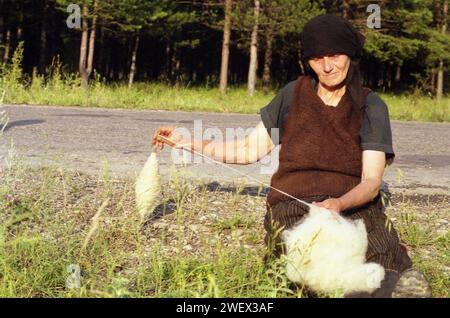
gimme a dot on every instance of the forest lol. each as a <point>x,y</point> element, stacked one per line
<point>216,42</point>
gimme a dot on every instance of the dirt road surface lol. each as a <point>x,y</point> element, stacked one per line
<point>85,138</point>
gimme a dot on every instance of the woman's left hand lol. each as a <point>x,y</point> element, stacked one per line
<point>330,204</point>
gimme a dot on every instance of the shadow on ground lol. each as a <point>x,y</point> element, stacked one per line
<point>19,123</point>
<point>247,190</point>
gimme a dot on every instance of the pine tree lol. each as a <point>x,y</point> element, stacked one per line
<point>284,19</point>
<point>134,17</point>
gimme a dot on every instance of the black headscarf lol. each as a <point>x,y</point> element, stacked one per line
<point>330,34</point>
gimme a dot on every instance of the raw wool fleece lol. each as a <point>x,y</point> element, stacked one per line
<point>148,187</point>
<point>326,252</point>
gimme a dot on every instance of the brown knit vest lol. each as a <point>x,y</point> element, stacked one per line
<point>320,149</point>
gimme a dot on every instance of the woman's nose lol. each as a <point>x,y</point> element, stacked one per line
<point>327,65</point>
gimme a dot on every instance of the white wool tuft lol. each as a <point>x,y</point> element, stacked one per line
<point>148,187</point>
<point>326,252</point>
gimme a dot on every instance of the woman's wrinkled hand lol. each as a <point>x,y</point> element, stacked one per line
<point>168,132</point>
<point>330,204</point>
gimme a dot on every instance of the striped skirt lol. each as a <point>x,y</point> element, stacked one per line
<point>384,246</point>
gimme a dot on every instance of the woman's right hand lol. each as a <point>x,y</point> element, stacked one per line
<point>168,132</point>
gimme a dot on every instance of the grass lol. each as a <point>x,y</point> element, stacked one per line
<point>63,89</point>
<point>209,243</point>
<point>46,215</point>
<point>427,234</point>
<point>417,108</point>
<point>143,96</point>
<point>158,96</point>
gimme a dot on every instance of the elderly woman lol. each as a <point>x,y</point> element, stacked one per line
<point>335,143</point>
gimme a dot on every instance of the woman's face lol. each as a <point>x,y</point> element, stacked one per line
<point>330,69</point>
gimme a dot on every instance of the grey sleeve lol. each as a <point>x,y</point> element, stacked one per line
<point>271,112</point>
<point>376,131</point>
<point>274,114</point>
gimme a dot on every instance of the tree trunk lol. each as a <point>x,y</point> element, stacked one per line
<point>173,66</point>
<point>433,80</point>
<point>83,48</point>
<point>168,66</point>
<point>345,8</point>
<point>107,45</point>
<point>440,77</point>
<point>253,67</point>
<point>267,60</point>
<point>440,81</point>
<point>370,74</point>
<point>7,46</point>
<point>133,61</point>
<point>87,53</point>
<point>2,25</point>
<point>100,56</point>
<point>43,39</point>
<point>398,73</point>
<point>177,63</point>
<point>380,76</point>
<point>19,33</point>
<point>388,77</point>
<point>90,60</point>
<point>225,47</point>
<point>300,63</point>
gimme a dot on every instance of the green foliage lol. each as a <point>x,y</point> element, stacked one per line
<point>410,31</point>
<point>437,48</point>
<point>180,41</point>
<point>12,73</point>
<point>388,49</point>
<point>135,15</point>
<point>412,233</point>
<point>288,16</point>
<point>233,223</point>
<point>280,18</point>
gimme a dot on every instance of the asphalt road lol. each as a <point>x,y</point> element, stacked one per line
<point>85,138</point>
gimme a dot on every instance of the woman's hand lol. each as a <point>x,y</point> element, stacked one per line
<point>331,204</point>
<point>170,133</point>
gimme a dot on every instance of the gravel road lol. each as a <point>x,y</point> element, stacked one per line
<point>83,138</point>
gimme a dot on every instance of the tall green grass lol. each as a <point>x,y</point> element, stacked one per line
<point>63,88</point>
<point>417,108</point>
